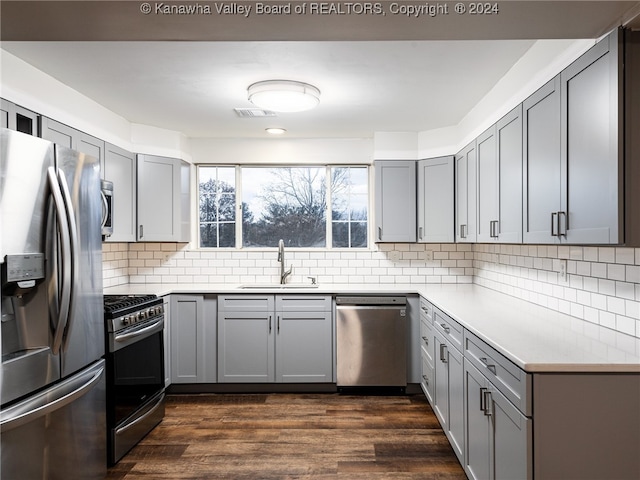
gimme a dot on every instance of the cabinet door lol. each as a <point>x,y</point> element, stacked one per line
<point>487,161</point>
<point>395,200</point>
<point>465,175</point>
<point>59,133</point>
<point>541,164</point>
<point>246,347</point>
<point>91,146</point>
<point>448,392</point>
<point>159,182</point>
<point>5,112</point>
<point>303,347</point>
<point>120,168</point>
<point>477,457</point>
<point>509,153</point>
<point>427,378</point>
<point>592,147</point>
<point>188,339</point>
<point>435,200</point>
<point>15,117</point>
<point>512,439</point>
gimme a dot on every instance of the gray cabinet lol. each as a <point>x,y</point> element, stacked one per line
<point>499,164</point>
<point>163,199</point>
<point>448,403</point>
<point>120,168</point>
<point>395,200</point>
<point>435,200</point>
<point>286,338</point>
<point>465,189</point>
<point>69,137</point>
<point>427,349</point>
<point>592,148</point>
<point>541,164</point>
<point>17,118</point>
<point>193,339</point>
<point>498,435</point>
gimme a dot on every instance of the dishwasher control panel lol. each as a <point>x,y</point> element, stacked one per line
<point>371,300</point>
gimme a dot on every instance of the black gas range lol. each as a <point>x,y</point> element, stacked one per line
<point>135,369</point>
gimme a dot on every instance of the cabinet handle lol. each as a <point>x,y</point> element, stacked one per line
<point>278,323</point>
<point>445,327</point>
<point>491,368</point>
<point>463,229</point>
<point>426,380</point>
<point>443,353</point>
<point>426,340</point>
<point>424,309</point>
<point>483,407</point>
<point>420,233</point>
<point>487,402</point>
<point>269,323</point>
<point>553,224</point>
<point>141,231</point>
<point>493,228</point>
<point>379,233</point>
<point>561,232</point>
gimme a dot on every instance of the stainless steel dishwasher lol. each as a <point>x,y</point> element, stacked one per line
<point>371,342</point>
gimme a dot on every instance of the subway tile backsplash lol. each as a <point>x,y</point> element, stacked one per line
<point>602,284</point>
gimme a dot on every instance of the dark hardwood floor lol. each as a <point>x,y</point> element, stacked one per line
<point>293,436</point>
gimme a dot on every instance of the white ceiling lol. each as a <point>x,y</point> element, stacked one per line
<point>367,86</point>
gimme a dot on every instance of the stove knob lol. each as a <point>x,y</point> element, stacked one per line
<point>143,314</point>
<point>125,320</point>
<point>160,309</point>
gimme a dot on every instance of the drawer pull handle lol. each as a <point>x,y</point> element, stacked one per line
<point>487,402</point>
<point>426,380</point>
<point>445,327</point>
<point>443,353</point>
<point>491,368</point>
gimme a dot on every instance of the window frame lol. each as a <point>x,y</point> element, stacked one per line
<point>328,214</point>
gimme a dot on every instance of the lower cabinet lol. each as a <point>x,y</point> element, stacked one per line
<point>498,435</point>
<point>448,402</point>
<point>193,339</point>
<point>281,338</point>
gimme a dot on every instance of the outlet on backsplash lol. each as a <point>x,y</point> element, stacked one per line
<point>563,276</point>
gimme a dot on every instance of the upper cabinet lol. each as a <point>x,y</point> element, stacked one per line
<point>163,208</point>
<point>120,168</point>
<point>15,117</point>
<point>465,193</point>
<point>541,164</point>
<point>499,160</point>
<point>69,137</point>
<point>435,200</point>
<point>395,200</point>
<point>576,156</point>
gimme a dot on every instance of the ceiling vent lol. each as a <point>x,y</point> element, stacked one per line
<point>253,112</point>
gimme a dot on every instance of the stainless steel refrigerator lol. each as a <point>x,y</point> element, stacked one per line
<point>52,413</point>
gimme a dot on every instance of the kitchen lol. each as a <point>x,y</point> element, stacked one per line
<point>603,281</point>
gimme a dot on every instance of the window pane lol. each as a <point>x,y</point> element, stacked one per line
<point>350,204</point>
<point>217,203</point>
<point>286,203</point>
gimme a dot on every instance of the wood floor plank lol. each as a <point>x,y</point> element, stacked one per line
<point>293,436</point>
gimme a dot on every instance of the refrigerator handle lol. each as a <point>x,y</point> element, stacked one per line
<point>50,400</point>
<point>73,257</point>
<point>62,309</point>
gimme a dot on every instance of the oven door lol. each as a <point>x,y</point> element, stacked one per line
<point>135,392</point>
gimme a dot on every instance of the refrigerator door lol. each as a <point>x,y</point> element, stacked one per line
<point>83,338</point>
<point>28,360</point>
<point>58,433</point>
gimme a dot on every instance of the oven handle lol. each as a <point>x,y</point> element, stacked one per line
<point>148,330</point>
<point>150,410</point>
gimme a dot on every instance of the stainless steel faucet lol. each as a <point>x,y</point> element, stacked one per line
<point>283,274</point>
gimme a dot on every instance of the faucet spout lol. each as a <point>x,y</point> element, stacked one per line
<point>283,274</point>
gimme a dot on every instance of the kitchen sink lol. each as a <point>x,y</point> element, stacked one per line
<point>286,286</point>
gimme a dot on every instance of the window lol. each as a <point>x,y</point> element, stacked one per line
<point>290,203</point>
<point>217,206</point>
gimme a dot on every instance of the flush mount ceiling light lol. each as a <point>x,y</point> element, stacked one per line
<point>284,95</point>
<point>275,131</point>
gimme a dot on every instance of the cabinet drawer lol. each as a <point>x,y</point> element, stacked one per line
<point>449,328</point>
<point>426,310</point>
<point>513,382</point>
<point>303,303</point>
<point>426,339</point>
<point>427,378</point>
<point>246,303</point>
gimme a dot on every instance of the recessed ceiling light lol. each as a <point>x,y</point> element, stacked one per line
<point>275,131</point>
<point>283,95</point>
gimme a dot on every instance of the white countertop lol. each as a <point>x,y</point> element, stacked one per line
<point>534,338</point>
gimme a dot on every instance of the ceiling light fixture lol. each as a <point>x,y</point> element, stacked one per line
<point>275,131</point>
<point>283,95</point>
